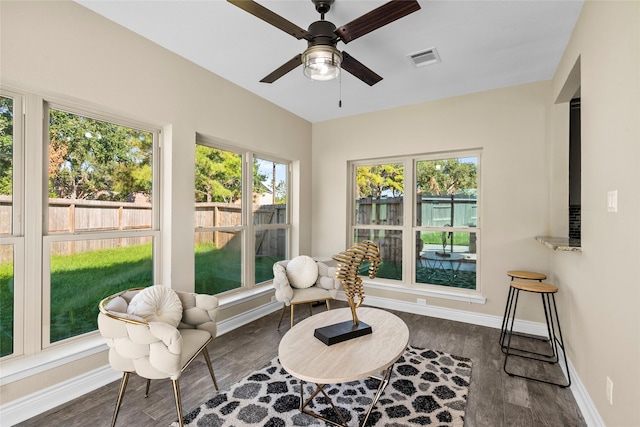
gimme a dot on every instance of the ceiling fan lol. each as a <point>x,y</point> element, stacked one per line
<point>322,60</point>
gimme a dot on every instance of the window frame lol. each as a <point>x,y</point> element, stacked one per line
<point>409,227</point>
<point>16,236</point>
<point>48,238</point>
<point>248,228</point>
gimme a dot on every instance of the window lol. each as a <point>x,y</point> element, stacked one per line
<point>101,229</point>
<point>241,217</point>
<point>379,207</point>
<point>436,242</point>
<point>11,237</point>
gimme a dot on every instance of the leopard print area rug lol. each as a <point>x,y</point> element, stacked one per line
<point>427,388</point>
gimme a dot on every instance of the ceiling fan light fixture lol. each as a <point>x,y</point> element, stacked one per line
<point>321,62</point>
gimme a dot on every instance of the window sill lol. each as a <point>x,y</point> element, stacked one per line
<point>433,293</point>
<point>242,296</point>
<point>22,367</point>
<point>560,244</point>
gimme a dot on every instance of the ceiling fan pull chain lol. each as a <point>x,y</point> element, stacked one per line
<point>340,91</point>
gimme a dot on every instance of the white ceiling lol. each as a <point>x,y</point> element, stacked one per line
<point>483,45</point>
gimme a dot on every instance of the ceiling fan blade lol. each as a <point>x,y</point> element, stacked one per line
<point>359,70</point>
<point>283,69</point>
<point>379,17</point>
<point>272,18</point>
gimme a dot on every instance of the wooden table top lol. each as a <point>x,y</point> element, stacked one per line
<point>309,359</point>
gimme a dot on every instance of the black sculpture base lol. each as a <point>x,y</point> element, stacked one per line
<point>343,331</point>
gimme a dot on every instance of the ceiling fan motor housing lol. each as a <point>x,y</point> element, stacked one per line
<point>322,34</point>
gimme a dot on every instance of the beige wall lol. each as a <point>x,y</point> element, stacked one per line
<point>510,127</point>
<point>601,287</point>
<point>524,137</point>
<point>61,50</point>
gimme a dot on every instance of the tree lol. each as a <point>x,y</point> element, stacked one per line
<point>94,159</point>
<point>6,146</point>
<point>218,175</point>
<point>281,193</point>
<point>374,181</point>
<point>448,176</point>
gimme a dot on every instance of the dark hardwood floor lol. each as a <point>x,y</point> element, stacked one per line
<point>495,399</point>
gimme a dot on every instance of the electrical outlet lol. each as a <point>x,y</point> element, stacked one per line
<point>610,391</point>
<point>421,301</point>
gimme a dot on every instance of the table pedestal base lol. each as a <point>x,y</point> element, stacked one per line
<point>386,374</point>
<point>343,331</point>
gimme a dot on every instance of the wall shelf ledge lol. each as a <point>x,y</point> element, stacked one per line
<point>563,244</point>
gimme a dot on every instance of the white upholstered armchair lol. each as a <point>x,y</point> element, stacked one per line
<point>303,280</point>
<point>156,332</point>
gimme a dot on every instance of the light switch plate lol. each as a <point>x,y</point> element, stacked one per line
<point>612,201</point>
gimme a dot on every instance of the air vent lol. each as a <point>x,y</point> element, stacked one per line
<point>425,57</point>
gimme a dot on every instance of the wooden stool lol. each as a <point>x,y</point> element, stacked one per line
<point>547,292</point>
<point>526,275</point>
<point>516,274</point>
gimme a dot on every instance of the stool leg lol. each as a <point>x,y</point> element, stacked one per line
<point>566,362</point>
<point>550,329</point>
<point>507,310</point>
<point>513,318</point>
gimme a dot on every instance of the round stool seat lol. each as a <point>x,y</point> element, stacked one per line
<point>527,275</point>
<point>538,287</point>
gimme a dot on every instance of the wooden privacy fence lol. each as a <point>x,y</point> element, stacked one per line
<point>70,216</point>
<point>268,242</point>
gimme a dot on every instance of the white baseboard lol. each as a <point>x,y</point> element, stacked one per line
<point>34,404</point>
<point>29,406</point>
<point>228,325</point>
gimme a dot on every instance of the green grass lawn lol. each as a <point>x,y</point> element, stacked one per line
<point>6,308</point>
<point>80,281</point>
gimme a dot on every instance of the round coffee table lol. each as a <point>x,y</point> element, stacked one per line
<point>309,359</point>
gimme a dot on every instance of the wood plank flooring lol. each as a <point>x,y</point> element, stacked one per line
<point>495,399</point>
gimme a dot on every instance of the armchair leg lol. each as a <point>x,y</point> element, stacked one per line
<point>205,353</point>
<point>310,309</point>
<point>328,304</point>
<point>123,386</point>
<point>284,308</point>
<point>292,305</point>
<point>176,393</point>
<point>146,391</point>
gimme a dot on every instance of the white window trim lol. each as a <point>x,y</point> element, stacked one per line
<point>248,285</point>
<point>407,282</point>
<point>16,239</point>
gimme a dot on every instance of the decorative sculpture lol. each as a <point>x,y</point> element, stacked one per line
<point>349,263</point>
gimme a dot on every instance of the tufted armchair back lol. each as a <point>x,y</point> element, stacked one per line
<point>302,280</point>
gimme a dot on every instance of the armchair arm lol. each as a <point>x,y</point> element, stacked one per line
<point>284,291</point>
<point>199,312</point>
<point>327,278</point>
<point>152,350</point>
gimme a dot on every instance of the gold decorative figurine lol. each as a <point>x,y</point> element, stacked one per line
<point>349,263</point>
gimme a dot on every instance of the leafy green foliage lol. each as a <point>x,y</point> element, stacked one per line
<point>97,160</point>
<point>219,175</point>
<point>448,176</point>
<point>373,181</point>
<point>6,146</point>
